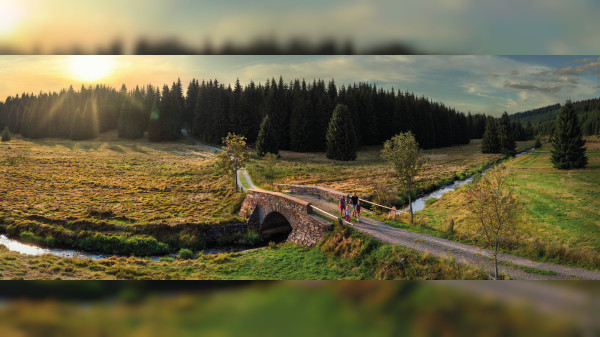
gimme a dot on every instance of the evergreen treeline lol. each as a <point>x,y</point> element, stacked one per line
<point>299,112</point>
<point>543,119</point>
<point>79,114</point>
<point>536,116</point>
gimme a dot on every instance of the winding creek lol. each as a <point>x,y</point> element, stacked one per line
<point>16,246</point>
<point>419,204</point>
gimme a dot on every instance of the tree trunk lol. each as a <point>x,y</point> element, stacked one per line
<point>236,180</point>
<point>410,207</point>
<point>496,264</point>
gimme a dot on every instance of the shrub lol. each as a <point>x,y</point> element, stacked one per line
<point>252,237</point>
<point>118,244</point>
<point>6,136</point>
<point>185,254</point>
<point>191,241</point>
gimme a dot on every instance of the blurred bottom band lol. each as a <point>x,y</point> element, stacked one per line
<point>299,308</point>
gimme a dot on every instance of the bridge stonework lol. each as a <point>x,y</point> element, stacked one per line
<point>307,228</point>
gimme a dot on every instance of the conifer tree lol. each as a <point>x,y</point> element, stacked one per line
<point>491,142</point>
<point>568,152</point>
<point>299,120</point>
<point>507,138</point>
<point>6,134</point>
<point>341,137</point>
<point>529,133</point>
<point>85,124</point>
<point>267,141</point>
<point>131,123</point>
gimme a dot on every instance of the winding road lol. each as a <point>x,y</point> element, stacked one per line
<point>435,246</point>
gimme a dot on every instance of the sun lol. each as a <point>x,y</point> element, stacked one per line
<point>10,16</point>
<point>91,67</point>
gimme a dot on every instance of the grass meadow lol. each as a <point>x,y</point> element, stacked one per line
<point>560,219</point>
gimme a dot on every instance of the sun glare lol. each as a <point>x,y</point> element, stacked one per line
<point>10,16</point>
<point>91,67</point>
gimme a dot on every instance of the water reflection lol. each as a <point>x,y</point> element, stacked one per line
<point>16,246</point>
<point>419,204</point>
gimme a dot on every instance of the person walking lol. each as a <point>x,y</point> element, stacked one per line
<point>348,202</point>
<point>348,214</point>
<point>342,206</point>
<point>354,200</point>
<point>357,210</point>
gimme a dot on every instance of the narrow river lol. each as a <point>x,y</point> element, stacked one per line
<point>419,204</point>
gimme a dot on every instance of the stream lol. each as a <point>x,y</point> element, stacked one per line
<point>28,249</point>
<point>419,204</point>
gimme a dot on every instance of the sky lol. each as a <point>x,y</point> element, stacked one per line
<point>468,83</point>
<point>485,27</point>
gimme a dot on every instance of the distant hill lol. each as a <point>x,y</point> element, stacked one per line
<point>536,116</point>
<point>542,118</point>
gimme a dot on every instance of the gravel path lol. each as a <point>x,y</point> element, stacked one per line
<point>461,253</point>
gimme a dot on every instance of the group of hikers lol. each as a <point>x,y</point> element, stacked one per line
<point>350,205</point>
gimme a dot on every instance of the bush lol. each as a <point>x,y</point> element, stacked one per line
<point>185,254</point>
<point>191,241</point>
<point>252,238</point>
<point>166,259</point>
<point>6,136</point>
<point>537,144</point>
<point>118,244</point>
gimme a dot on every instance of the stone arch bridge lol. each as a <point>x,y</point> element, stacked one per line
<point>272,213</point>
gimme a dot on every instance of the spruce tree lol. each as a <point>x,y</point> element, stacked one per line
<point>341,137</point>
<point>6,134</point>
<point>529,133</point>
<point>568,152</point>
<point>299,120</point>
<point>507,137</point>
<point>490,142</point>
<point>267,141</point>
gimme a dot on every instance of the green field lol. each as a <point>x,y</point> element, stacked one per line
<point>560,221</point>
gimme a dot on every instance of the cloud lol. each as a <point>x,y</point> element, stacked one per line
<point>566,79</point>
<point>591,67</point>
<point>533,87</point>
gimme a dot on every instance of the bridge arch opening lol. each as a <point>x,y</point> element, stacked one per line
<point>275,227</point>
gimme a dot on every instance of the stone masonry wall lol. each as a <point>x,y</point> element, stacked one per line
<point>318,191</point>
<point>307,229</point>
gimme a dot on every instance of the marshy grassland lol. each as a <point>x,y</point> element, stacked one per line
<point>110,191</point>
